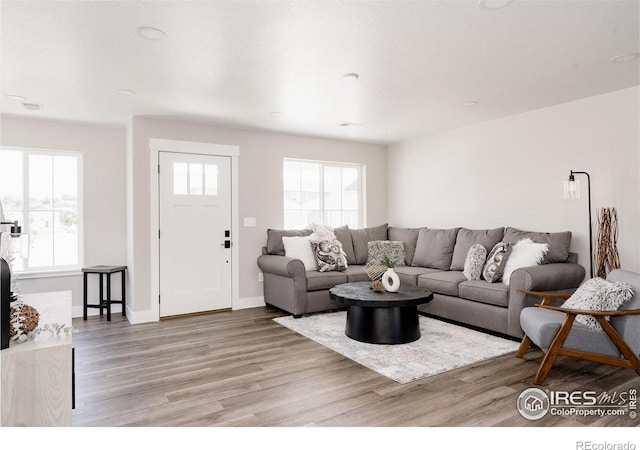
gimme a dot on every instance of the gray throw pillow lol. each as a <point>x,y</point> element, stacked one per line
<point>496,261</point>
<point>343,234</point>
<point>361,238</point>
<point>434,248</point>
<point>329,255</point>
<point>466,238</point>
<point>474,263</point>
<point>558,242</point>
<point>598,294</point>
<point>395,250</point>
<point>409,236</point>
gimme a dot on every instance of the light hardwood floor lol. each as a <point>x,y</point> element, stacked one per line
<point>242,369</point>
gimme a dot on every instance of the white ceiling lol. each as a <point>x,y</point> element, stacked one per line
<point>235,62</point>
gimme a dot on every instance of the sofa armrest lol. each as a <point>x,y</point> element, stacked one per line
<point>545,277</point>
<point>282,265</point>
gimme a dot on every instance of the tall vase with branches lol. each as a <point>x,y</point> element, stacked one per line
<point>606,255</point>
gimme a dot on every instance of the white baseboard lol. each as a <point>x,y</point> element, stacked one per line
<point>249,302</point>
<point>148,315</point>
<point>145,316</point>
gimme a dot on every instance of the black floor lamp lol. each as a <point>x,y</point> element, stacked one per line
<point>572,192</point>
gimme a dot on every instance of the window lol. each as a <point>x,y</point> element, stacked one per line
<point>195,179</point>
<point>322,192</point>
<point>41,190</point>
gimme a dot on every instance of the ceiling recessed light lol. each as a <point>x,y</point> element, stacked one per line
<point>126,92</point>
<point>17,98</point>
<point>490,5</point>
<point>32,106</point>
<point>350,76</point>
<point>150,33</point>
<point>625,58</point>
<point>470,103</point>
<point>276,114</point>
<point>350,124</point>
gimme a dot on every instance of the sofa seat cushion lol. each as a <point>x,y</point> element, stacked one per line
<point>317,281</point>
<point>356,273</point>
<point>480,291</point>
<point>442,282</point>
<point>409,275</point>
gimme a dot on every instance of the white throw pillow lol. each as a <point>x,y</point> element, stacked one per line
<point>321,232</point>
<point>525,253</point>
<point>598,294</point>
<point>299,247</point>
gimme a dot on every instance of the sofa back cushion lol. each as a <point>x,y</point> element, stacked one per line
<point>343,234</point>
<point>467,238</point>
<point>434,248</point>
<point>409,236</point>
<point>558,242</point>
<point>274,239</point>
<point>361,240</point>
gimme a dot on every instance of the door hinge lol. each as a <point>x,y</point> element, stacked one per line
<point>158,299</point>
<point>158,234</point>
<point>158,168</point>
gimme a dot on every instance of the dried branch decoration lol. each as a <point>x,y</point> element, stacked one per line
<point>606,256</point>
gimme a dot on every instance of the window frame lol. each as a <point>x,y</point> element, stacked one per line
<point>30,272</point>
<point>332,164</point>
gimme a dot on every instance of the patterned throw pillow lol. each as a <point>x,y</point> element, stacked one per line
<point>329,255</point>
<point>474,263</point>
<point>395,250</point>
<point>598,294</point>
<point>496,261</point>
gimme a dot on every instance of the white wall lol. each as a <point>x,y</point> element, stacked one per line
<point>260,196</point>
<point>103,150</point>
<point>509,172</point>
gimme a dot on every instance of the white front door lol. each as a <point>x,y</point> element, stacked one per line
<point>195,233</point>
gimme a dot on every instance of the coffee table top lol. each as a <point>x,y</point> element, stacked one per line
<point>361,294</point>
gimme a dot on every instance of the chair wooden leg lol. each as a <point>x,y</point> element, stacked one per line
<point>620,343</point>
<point>552,351</point>
<point>524,346</point>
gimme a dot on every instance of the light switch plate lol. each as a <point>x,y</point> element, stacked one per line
<point>249,221</point>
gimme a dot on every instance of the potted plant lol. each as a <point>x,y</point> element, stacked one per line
<point>390,279</point>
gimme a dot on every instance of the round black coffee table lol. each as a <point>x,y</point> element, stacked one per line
<point>381,317</point>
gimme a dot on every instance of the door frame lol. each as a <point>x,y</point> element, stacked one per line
<point>200,148</point>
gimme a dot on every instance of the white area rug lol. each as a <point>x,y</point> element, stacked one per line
<point>441,347</point>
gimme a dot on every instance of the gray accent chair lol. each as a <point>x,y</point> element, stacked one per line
<point>553,329</point>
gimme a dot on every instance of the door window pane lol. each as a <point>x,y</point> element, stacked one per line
<point>180,178</point>
<point>210,179</point>
<point>195,179</point>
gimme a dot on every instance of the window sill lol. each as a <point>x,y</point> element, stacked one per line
<point>48,274</point>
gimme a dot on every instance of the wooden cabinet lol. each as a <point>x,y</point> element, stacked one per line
<point>36,376</point>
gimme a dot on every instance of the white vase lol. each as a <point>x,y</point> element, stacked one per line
<point>390,280</point>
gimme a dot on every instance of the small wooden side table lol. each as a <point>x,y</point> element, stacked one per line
<point>105,303</point>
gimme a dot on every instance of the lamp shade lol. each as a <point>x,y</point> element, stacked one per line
<point>571,189</point>
<point>14,245</point>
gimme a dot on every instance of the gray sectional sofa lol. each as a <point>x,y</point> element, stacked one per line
<point>434,260</point>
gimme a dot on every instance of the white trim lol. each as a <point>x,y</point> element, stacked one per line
<point>249,302</point>
<point>48,274</point>
<point>167,145</point>
<point>135,317</point>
